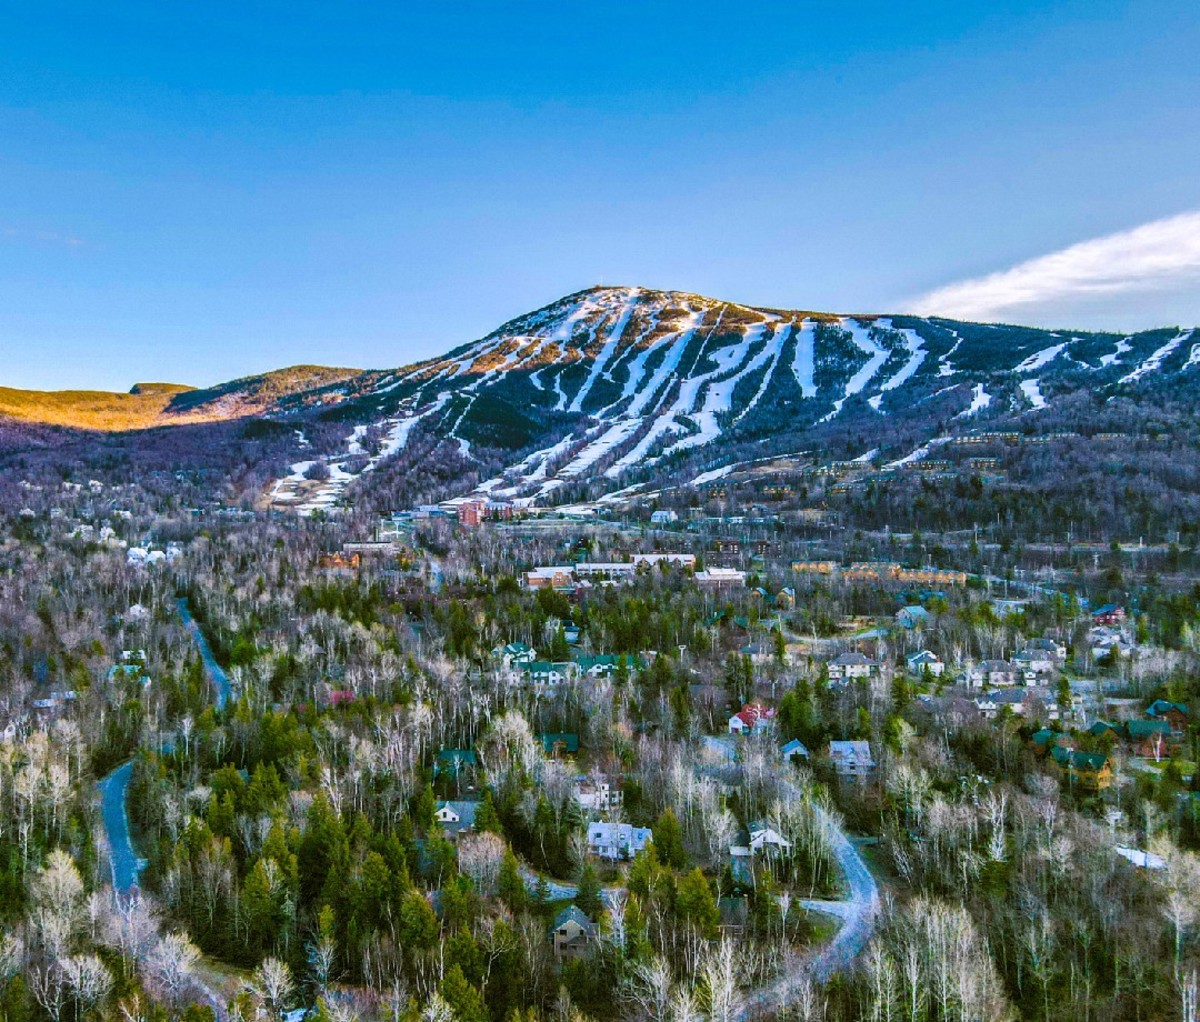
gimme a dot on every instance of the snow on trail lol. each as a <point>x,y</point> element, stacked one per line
<point>782,333</point>
<point>718,398</point>
<point>1040,358</point>
<point>562,396</point>
<point>1033,393</point>
<point>864,375</point>
<point>610,346</point>
<point>355,446</point>
<point>1113,358</point>
<point>1155,361</point>
<point>980,399</point>
<point>712,475</point>
<point>638,362</point>
<point>867,345</point>
<point>920,453</point>
<point>611,438</point>
<point>1193,358</point>
<point>803,366</point>
<point>916,355</point>
<point>644,394</point>
<point>663,425</point>
<point>945,367</point>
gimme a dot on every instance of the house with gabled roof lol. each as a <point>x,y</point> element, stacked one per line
<point>851,758</point>
<point>455,761</point>
<point>571,933</point>
<point>1175,714</point>
<point>991,674</point>
<point>547,673</point>
<point>793,750</point>
<point>1109,614</point>
<point>616,841</point>
<point>1090,770</point>
<point>514,654</point>
<point>922,662</point>
<point>752,719</point>
<point>456,817</point>
<point>765,838</point>
<point>913,616</point>
<point>560,743</point>
<point>850,666</point>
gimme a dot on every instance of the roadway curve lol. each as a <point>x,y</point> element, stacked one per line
<point>216,673</point>
<point>858,913</point>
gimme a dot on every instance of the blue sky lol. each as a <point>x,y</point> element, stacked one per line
<point>196,192</point>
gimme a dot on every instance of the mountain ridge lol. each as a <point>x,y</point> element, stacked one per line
<point>613,387</point>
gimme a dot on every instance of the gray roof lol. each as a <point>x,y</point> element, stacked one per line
<point>465,809</point>
<point>572,913</point>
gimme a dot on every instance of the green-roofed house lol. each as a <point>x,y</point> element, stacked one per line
<point>1149,738</point>
<point>1090,770</point>
<point>1046,738</point>
<point>605,665</point>
<point>560,743</point>
<point>1175,714</point>
<point>548,674</point>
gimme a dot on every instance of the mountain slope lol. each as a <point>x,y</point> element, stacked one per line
<point>619,387</point>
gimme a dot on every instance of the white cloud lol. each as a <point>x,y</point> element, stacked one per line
<point>1147,276</point>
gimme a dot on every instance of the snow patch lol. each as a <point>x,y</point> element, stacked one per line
<point>1155,361</point>
<point>980,399</point>
<point>1033,393</point>
<point>1041,358</point>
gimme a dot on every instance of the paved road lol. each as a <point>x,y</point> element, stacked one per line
<point>216,673</point>
<point>858,913</point>
<point>126,866</point>
<point>559,890</point>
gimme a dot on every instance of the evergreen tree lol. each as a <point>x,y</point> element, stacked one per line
<point>589,898</point>
<point>511,884</point>
<point>695,904</point>
<point>465,1001</point>
<point>668,840</point>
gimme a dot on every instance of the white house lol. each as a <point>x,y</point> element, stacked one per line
<point>991,674</point>
<point>456,817</point>
<point>1036,661</point>
<point>924,661</point>
<point>848,666</point>
<point>549,674</point>
<point>751,719</point>
<point>617,840</point>
<point>596,794</point>
<point>764,838</point>
<point>716,578</point>
<point>663,517</point>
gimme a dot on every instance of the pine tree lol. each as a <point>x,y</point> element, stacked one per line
<point>668,840</point>
<point>589,898</point>
<point>511,884</point>
<point>465,1001</point>
<point>486,817</point>
<point>695,904</point>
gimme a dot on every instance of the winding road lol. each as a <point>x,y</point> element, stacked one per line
<point>858,913</point>
<point>216,673</point>
<point>124,861</point>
